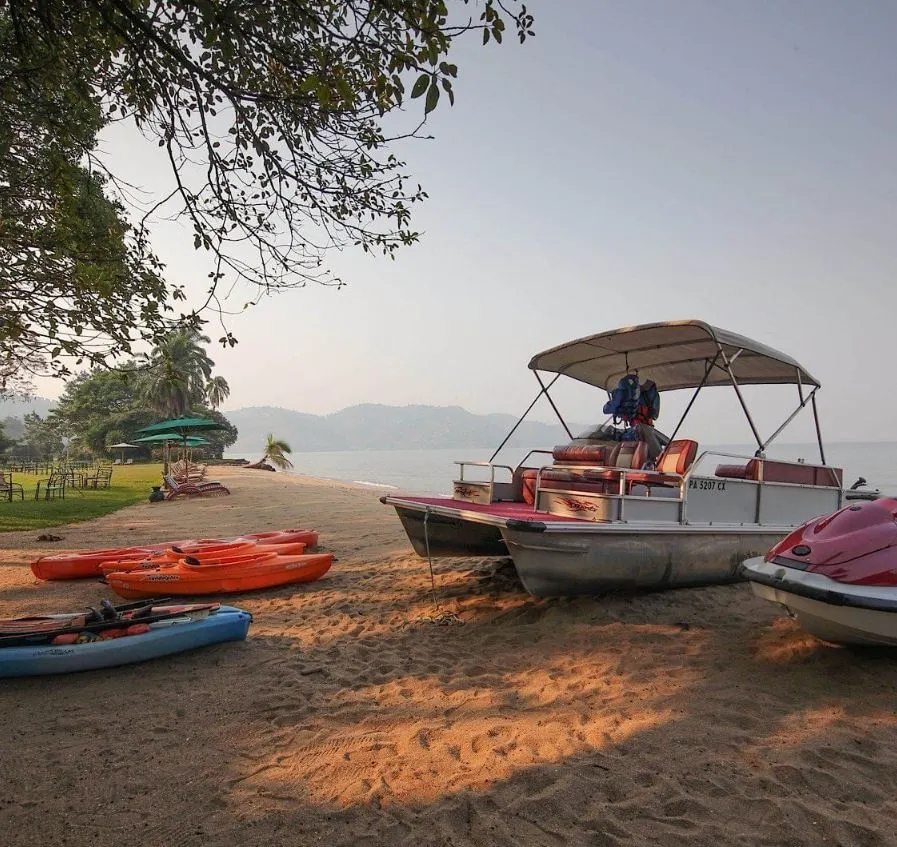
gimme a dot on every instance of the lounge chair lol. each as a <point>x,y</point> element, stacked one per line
<point>208,488</point>
<point>184,471</point>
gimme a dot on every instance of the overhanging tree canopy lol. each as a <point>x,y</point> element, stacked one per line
<point>271,116</point>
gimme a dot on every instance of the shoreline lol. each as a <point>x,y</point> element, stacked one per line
<point>689,717</point>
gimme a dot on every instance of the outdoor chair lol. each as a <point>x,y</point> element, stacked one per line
<point>8,488</point>
<point>100,479</point>
<point>184,471</point>
<point>193,489</point>
<point>51,488</point>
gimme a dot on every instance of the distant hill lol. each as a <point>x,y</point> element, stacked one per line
<point>376,427</point>
<point>20,408</point>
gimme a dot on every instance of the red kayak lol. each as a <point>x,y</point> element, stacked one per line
<point>216,555</point>
<point>77,565</point>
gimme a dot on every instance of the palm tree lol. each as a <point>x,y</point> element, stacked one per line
<point>217,391</point>
<point>179,371</point>
<point>166,389</point>
<point>275,450</point>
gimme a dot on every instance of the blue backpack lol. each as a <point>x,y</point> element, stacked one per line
<point>624,399</point>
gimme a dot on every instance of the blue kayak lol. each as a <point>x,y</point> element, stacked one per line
<point>226,623</point>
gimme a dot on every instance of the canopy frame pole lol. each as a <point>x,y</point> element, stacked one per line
<point>818,430</point>
<point>791,417</point>
<point>747,414</point>
<point>707,371</point>
<point>544,391</point>
<point>548,397</point>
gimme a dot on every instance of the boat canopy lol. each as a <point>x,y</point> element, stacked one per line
<point>675,354</point>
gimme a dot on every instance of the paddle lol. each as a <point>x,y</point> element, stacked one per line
<point>36,623</point>
<point>37,638</point>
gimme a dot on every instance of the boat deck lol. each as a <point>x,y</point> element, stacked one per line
<point>504,509</point>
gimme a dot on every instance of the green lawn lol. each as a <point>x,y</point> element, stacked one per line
<point>130,484</point>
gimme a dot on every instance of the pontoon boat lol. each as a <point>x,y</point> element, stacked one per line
<point>594,518</point>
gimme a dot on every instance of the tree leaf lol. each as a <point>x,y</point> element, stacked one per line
<point>432,98</point>
<point>420,86</point>
<point>448,90</point>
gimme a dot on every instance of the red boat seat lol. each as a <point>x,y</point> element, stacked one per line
<point>630,455</point>
<point>590,454</point>
<point>678,456</point>
<point>799,474</point>
<point>528,485</point>
<point>558,480</point>
<point>626,455</point>
<point>732,471</point>
<point>773,471</point>
<point>675,460</point>
<point>565,454</point>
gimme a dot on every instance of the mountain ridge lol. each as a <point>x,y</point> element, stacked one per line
<point>376,426</point>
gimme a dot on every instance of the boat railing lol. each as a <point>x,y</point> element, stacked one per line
<point>836,483</point>
<point>619,481</point>
<point>489,465</point>
<point>760,483</point>
<point>522,462</point>
<point>622,475</point>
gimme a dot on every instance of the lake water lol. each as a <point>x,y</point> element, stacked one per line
<point>431,471</point>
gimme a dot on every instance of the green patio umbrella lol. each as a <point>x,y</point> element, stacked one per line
<point>182,427</point>
<point>192,440</point>
<point>167,438</point>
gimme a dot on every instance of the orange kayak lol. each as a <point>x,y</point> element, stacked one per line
<point>212,556</point>
<point>77,565</point>
<point>241,574</point>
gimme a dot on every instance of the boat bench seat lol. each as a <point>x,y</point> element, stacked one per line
<point>798,474</point>
<point>600,480</point>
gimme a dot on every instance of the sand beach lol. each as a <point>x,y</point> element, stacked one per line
<point>359,713</point>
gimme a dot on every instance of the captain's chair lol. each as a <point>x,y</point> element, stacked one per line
<point>678,456</point>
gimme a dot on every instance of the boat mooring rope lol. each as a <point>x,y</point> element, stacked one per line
<point>430,558</point>
<point>439,618</point>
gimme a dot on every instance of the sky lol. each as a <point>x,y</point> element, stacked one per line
<point>635,161</point>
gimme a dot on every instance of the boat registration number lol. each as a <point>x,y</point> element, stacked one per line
<point>707,484</point>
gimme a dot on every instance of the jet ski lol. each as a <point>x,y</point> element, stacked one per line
<point>837,574</point>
